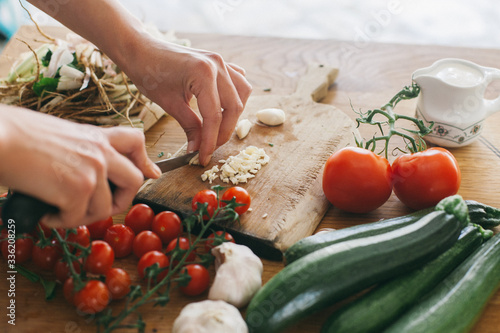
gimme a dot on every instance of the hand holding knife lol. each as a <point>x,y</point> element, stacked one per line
<point>26,211</point>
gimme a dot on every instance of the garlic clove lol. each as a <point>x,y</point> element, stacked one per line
<point>271,116</point>
<point>243,128</point>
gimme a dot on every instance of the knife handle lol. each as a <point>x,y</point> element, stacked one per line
<point>26,211</point>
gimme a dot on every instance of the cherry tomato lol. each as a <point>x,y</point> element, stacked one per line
<point>62,272</point>
<point>20,250</point>
<point>357,180</point>
<point>98,229</point>
<point>205,196</point>
<point>139,218</point>
<point>47,232</point>
<point>241,196</point>
<point>167,225</point>
<point>69,291</point>
<point>149,259</point>
<point>144,242</point>
<point>120,238</point>
<point>100,259</point>
<point>200,280</point>
<point>423,179</point>
<point>82,236</point>
<point>93,298</point>
<point>45,258</point>
<point>118,283</point>
<point>183,244</point>
<point>212,241</point>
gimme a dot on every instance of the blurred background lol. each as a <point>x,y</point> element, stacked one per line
<point>470,23</point>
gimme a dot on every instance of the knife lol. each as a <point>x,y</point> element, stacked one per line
<point>26,211</point>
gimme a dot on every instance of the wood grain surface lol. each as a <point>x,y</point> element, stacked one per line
<point>369,75</point>
<point>288,201</point>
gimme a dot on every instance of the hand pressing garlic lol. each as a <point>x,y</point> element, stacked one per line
<point>271,116</point>
<point>238,274</point>
<point>208,317</point>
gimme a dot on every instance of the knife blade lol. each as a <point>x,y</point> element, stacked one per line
<point>26,211</point>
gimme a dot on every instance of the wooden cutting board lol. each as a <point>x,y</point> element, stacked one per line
<point>287,198</point>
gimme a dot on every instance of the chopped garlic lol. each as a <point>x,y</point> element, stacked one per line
<point>264,216</point>
<point>210,174</point>
<point>240,168</point>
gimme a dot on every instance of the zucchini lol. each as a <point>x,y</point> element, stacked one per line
<point>382,305</point>
<point>457,302</point>
<point>328,275</point>
<point>484,215</point>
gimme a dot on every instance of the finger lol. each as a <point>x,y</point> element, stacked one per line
<point>237,68</point>
<point>131,143</point>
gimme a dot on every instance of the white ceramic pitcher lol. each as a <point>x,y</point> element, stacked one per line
<point>452,96</point>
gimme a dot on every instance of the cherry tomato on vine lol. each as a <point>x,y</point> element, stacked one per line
<point>120,238</point>
<point>21,249</point>
<point>205,196</point>
<point>149,259</point>
<point>45,258</point>
<point>62,271</point>
<point>93,298</point>
<point>82,236</point>
<point>241,196</point>
<point>212,242</point>
<point>118,283</point>
<point>167,225</point>
<point>357,180</point>
<point>183,244</point>
<point>423,179</point>
<point>98,229</point>
<point>139,218</point>
<point>200,280</point>
<point>144,242</point>
<point>100,259</point>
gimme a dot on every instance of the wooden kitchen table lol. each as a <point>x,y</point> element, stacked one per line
<point>370,74</point>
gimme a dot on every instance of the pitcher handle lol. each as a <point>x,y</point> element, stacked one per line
<point>492,106</point>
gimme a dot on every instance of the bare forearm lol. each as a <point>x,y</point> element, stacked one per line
<point>106,23</point>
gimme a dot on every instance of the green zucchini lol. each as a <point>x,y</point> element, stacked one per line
<point>383,304</point>
<point>484,215</point>
<point>330,274</point>
<point>457,302</point>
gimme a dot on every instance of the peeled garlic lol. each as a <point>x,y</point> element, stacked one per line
<point>238,274</point>
<point>271,116</point>
<point>242,128</point>
<point>208,317</point>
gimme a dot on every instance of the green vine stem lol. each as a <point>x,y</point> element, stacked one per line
<point>413,138</point>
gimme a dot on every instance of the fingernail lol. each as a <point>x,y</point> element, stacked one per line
<point>156,170</point>
<point>207,160</point>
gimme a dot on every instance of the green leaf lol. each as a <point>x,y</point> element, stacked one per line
<point>45,84</point>
<point>46,58</point>
<point>49,287</point>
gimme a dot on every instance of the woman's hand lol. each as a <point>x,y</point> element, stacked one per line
<point>68,165</point>
<point>170,75</point>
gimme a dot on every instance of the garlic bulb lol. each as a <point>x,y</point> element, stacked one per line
<point>271,116</point>
<point>208,317</point>
<point>243,128</point>
<point>238,274</point>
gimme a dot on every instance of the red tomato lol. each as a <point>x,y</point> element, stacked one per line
<point>167,225</point>
<point>118,283</point>
<point>93,298</point>
<point>98,229</point>
<point>144,242</point>
<point>120,238</point>
<point>20,250</point>
<point>82,236</point>
<point>149,259</point>
<point>205,196</point>
<point>212,242</point>
<point>242,197</point>
<point>69,291</point>
<point>423,179</point>
<point>62,272</point>
<point>45,258</point>
<point>139,218</point>
<point>200,280</point>
<point>100,259</point>
<point>357,180</point>
<point>183,244</point>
